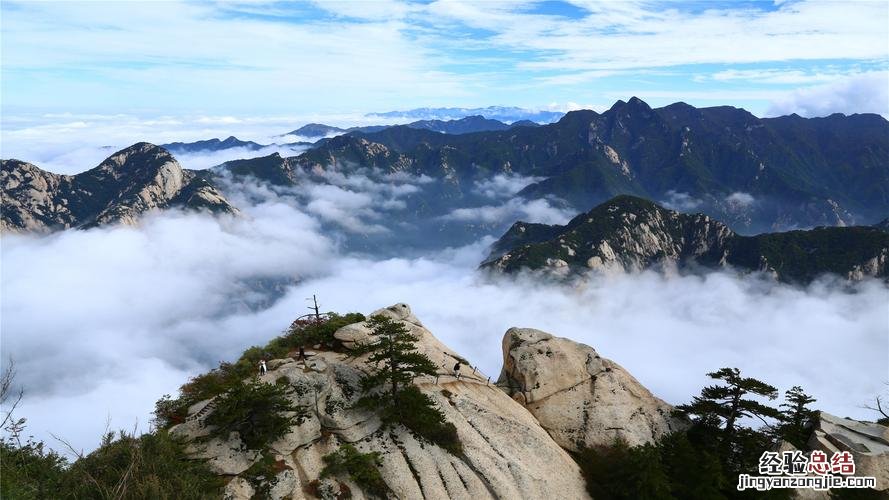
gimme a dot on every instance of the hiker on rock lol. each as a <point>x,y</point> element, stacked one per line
<point>457,370</point>
<point>302,354</point>
<point>262,368</point>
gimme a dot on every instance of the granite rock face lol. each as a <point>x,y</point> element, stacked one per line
<point>507,454</point>
<point>129,183</point>
<point>868,443</point>
<point>580,398</point>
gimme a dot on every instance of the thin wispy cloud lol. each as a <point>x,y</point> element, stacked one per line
<point>224,58</point>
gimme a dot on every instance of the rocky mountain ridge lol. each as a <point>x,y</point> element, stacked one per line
<point>509,114</point>
<point>511,446</point>
<point>757,174</point>
<point>465,125</point>
<point>126,185</point>
<point>630,234</point>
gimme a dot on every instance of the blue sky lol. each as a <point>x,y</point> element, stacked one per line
<point>260,58</point>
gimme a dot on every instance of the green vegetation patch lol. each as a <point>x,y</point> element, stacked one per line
<point>170,411</point>
<point>260,413</point>
<point>363,468</point>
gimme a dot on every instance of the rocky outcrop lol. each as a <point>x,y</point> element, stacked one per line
<point>580,398</point>
<point>630,234</point>
<point>868,442</point>
<point>624,234</point>
<point>129,183</point>
<point>506,453</point>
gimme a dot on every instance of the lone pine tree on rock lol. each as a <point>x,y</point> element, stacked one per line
<point>391,389</point>
<point>393,351</point>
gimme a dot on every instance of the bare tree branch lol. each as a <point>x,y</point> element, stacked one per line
<point>7,378</point>
<point>878,405</point>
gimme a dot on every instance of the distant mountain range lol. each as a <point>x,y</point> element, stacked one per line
<point>129,183</point>
<point>212,145</point>
<point>632,234</point>
<point>315,131</point>
<point>467,125</point>
<point>755,174</point>
<point>503,113</point>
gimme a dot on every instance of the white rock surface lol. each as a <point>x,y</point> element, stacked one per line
<point>580,398</point>
<point>868,443</point>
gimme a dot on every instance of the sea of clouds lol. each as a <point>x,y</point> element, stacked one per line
<point>102,323</point>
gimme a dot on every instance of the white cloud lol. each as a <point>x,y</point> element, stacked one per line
<point>205,159</point>
<point>740,199</point>
<point>349,209</point>
<point>504,185</point>
<point>780,76</point>
<point>379,10</point>
<point>642,35</point>
<point>211,54</point>
<point>537,210</point>
<point>395,54</point>
<point>865,93</point>
<point>103,322</point>
<point>682,202</point>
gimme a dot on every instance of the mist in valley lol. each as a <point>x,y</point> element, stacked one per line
<point>101,323</point>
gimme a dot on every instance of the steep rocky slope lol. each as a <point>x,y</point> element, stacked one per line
<point>507,453</point>
<point>129,183</point>
<point>633,234</point>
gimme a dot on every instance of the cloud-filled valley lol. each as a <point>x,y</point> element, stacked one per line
<point>104,321</point>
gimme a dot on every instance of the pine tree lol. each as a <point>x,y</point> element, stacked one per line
<point>391,391</point>
<point>718,410</point>
<point>725,404</point>
<point>796,418</point>
<point>393,351</point>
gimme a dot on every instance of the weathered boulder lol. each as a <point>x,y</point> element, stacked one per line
<point>580,398</point>
<point>868,442</point>
<point>506,453</point>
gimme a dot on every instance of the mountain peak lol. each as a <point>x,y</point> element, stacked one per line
<point>142,156</point>
<point>619,104</point>
<point>128,183</point>
<point>634,104</point>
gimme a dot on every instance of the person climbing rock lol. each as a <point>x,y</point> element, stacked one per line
<point>457,370</point>
<point>262,367</point>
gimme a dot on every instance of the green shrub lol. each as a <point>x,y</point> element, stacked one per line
<point>255,410</point>
<point>683,466</point>
<point>419,413</point>
<point>151,466</point>
<point>30,470</point>
<point>262,474</point>
<point>620,472</point>
<point>363,468</point>
<point>169,411</point>
<point>310,333</point>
